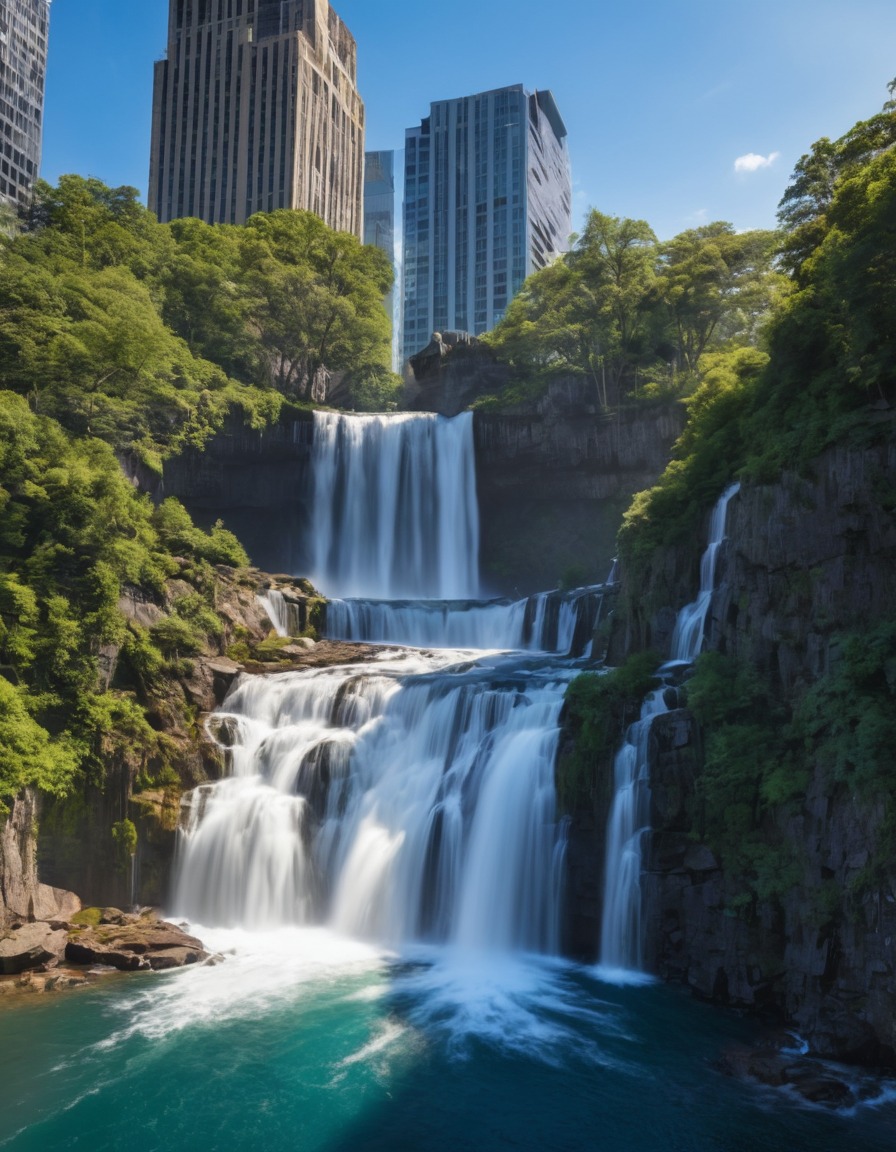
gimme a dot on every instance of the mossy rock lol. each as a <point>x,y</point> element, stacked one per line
<point>87,918</point>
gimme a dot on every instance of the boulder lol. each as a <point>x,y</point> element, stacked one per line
<point>55,904</point>
<point>133,944</point>
<point>31,946</point>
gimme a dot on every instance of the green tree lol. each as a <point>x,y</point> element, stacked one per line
<point>717,285</point>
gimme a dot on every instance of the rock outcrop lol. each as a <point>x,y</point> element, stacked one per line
<point>133,943</point>
<point>554,477</point>
<point>31,946</point>
<point>22,895</point>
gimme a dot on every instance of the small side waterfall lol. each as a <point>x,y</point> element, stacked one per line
<point>395,511</point>
<point>278,610</point>
<point>690,627</point>
<point>621,936</point>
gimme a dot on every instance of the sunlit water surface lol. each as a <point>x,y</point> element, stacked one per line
<point>302,1040</point>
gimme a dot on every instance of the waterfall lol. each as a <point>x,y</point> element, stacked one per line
<point>690,626</point>
<point>408,800</point>
<point>629,820</point>
<point>621,937</point>
<point>411,798</point>
<point>557,622</point>
<point>277,608</point>
<point>395,512</point>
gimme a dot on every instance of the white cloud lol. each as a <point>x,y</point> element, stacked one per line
<point>752,162</point>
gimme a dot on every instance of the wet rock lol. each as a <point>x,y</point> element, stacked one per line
<point>812,1079</point>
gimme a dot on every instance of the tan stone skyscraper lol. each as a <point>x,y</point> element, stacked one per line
<point>256,108</point>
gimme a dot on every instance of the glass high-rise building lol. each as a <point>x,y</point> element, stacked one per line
<point>256,107</point>
<point>379,211</point>
<point>24,28</point>
<point>487,201</point>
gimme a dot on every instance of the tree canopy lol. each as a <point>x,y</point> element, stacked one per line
<point>828,360</point>
<point>636,316</point>
<point>148,334</point>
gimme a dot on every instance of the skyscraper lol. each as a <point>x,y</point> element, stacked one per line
<point>379,211</point>
<point>256,108</point>
<point>487,201</point>
<point>24,27</point>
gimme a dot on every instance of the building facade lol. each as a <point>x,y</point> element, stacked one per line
<point>24,28</point>
<point>487,201</point>
<point>379,215</point>
<point>256,108</point>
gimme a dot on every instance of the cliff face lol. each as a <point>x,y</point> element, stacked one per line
<point>259,484</point>
<point>823,956</point>
<point>553,476</point>
<point>807,559</point>
<point>22,895</point>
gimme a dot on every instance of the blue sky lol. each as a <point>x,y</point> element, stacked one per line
<point>661,97</point>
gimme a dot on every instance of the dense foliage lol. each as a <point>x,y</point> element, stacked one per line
<point>830,360</point>
<point>146,335</point>
<point>637,317</point>
<point>74,534</point>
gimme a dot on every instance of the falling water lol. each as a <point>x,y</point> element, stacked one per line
<point>690,627</point>
<point>558,622</point>
<point>277,608</point>
<point>395,512</point>
<point>621,937</point>
<point>411,799</point>
<point>629,820</point>
<point>400,801</point>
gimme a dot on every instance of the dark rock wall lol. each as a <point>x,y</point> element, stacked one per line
<point>824,958</point>
<point>554,479</point>
<point>807,559</point>
<point>259,484</point>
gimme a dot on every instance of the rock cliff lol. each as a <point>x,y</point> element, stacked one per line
<point>809,559</point>
<point>554,475</point>
<point>823,956</point>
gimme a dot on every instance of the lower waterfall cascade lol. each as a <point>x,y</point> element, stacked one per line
<point>411,799</point>
<point>621,939</point>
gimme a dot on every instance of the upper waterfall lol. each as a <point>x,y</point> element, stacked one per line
<point>395,512</point>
